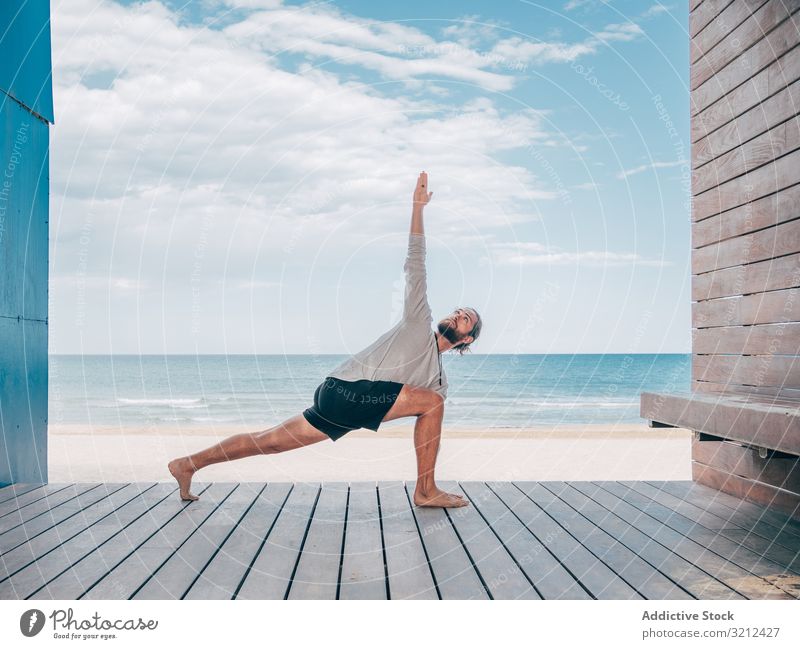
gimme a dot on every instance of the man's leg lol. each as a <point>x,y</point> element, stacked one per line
<point>428,407</point>
<point>292,433</point>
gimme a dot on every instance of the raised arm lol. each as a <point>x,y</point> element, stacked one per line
<point>416,299</point>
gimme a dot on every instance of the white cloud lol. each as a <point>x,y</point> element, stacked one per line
<point>250,285</point>
<point>531,253</point>
<point>470,31</point>
<point>252,4</point>
<point>517,49</point>
<point>393,50</point>
<point>622,32</point>
<point>106,283</point>
<point>655,10</point>
<point>651,165</point>
<point>205,162</point>
<point>201,143</point>
<point>404,53</point>
<point>581,4</point>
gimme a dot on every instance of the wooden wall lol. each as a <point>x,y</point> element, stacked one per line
<point>745,132</point>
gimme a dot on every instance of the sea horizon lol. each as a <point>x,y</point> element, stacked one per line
<point>491,390</point>
<point>345,354</point>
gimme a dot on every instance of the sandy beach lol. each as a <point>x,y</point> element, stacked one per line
<point>563,452</point>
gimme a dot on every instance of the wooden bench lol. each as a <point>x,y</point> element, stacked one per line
<point>747,445</point>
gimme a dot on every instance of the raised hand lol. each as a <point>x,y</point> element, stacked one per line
<point>421,193</point>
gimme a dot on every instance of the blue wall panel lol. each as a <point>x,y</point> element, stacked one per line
<point>25,99</point>
<point>23,401</point>
<point>23,212</point>
<point>25,63</point>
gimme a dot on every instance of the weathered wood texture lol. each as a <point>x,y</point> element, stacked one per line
<point>760,420</point>
<point>737,429</point>
<point>745,78</point>
<point>516,540</point>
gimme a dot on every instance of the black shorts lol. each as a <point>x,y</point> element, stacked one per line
<point>341,406</point>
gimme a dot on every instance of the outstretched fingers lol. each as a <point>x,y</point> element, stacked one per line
<point>421,193</point>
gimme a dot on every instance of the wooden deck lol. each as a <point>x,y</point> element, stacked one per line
<point>521,540</point>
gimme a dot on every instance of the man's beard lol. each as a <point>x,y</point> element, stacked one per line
<point>448,332</point>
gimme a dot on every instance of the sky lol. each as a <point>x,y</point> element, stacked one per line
<point>235,176</point>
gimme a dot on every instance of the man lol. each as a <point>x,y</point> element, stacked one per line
<point>398,375</point>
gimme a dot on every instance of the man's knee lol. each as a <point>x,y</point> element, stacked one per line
<point>427,401</point>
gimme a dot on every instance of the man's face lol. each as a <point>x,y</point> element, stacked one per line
<point>457,325</point>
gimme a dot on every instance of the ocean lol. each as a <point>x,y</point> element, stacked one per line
<point>497,390</point>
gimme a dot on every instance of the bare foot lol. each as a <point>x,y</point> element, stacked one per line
<point>439,498</point>
<point>182,471</point>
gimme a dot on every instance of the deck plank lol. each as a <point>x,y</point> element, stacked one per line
<point>42,506</point>
<point>502,575</point>
<point>410,576</point>
<point>34,548</point>
<point>550,579</point>
<point>753,585</point>
<point>788,558</point>
<point>537,540</point>
<point>722,457</point>
<point>363,571</point>
<point>18,489</point>
<point>23,500</point>
<point>125,578</point>
<point>317,575</point>
<point>661,523</point>
<point>270,574</point>
<point>601,581</point>
<point>71,510</point>
<point>655,524</point>
<point>581,515</point>
<point>173,578</point>
<point>780,527</point>
<point>126,537</point>
<point>33,566</point>
<point>453,572</point>
<point>223,575</point>
<point>646,537</point>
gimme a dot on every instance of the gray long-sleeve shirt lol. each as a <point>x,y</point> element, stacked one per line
<point>407,353</point>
